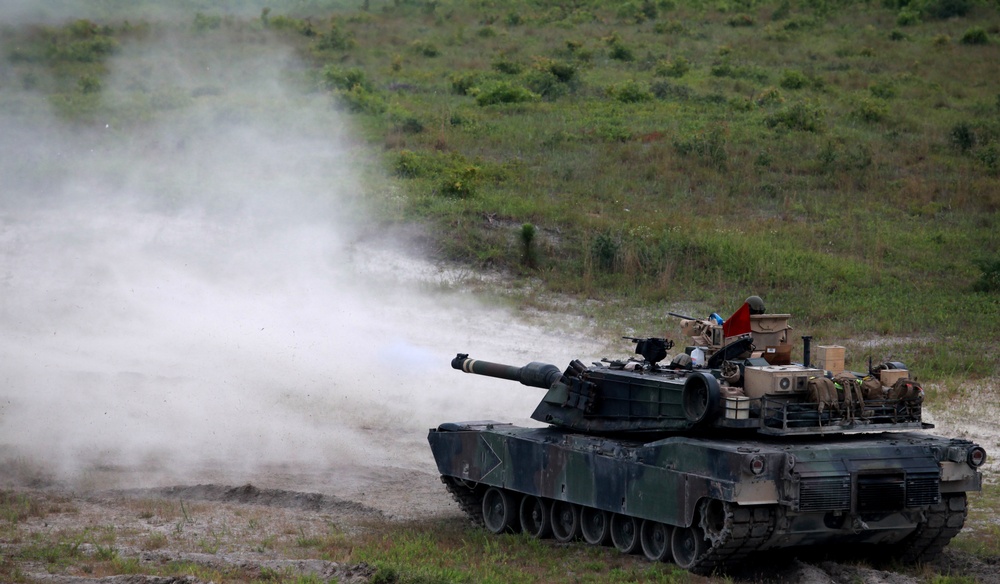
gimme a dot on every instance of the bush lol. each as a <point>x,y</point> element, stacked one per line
<point>944,9</point>
<point>792,79</point>
<point>334,39</point>
<point>504,92</point>
<point>545,84</point>
<point>975,36</point>
<point>630,91</point>
<point>708,145</point>
<point>883,90</point>
<point>605,250</point>
<point>667,90</point>
<point>361,100</point>
<point>620,52</point>
<point>870,109</point>
<point>425,48</point>
<point>463,83</point>
<point>990,157</point>
<point>460,181</point>
<point>962,137</point>
<point>808,117</point>
<point>907,17</point>
<point>335,77</point>
<point>989,281</point>
<point>506,66</point>
<point>675,68</point>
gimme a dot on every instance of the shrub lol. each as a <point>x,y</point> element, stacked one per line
<point>362,100</point>
<point>990,157</point>
<point>676,68</point>
<point>962,137</point>
<point>944,9</point>
<point>334,39</point>
<point>870,109</point>
<point>507,66</point>
<point>335,77</point>
<point>898,35</point>
<point>975,36</point>
<point>545,84</point>
<point>708,145</point>
<point>804,116</point>
<point>504,92</point>
<point>425,48</point>
<point>667,90</point>
<point>907,17</point>
<point>460,181</point>
<point>604,250</point>
<point>620,52</point>
<point>410,164</point>
<point>630,91</point>
<point>989,280</point>
<point>792,79</point>
<point>527,236</point>
<point>883,90</point>
<point>463,83</point>
<point>88,84</point>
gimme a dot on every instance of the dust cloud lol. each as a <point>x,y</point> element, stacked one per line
<point>202,288</point>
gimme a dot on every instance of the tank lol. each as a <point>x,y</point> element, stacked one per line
<point>707,461</point>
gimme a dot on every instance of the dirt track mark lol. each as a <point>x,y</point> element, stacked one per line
<point>251,495</point>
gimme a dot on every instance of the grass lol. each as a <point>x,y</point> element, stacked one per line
<point>410,552</point>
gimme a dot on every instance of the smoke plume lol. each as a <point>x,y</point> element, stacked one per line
<point>202,287</point>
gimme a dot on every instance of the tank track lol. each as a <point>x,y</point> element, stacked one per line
<point>942,522</point>
<point>746,529</point>
<point>470,499</point>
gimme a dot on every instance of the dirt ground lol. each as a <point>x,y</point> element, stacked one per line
<point>253,525</point>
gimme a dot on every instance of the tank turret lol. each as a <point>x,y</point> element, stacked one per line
<point>737,387</point>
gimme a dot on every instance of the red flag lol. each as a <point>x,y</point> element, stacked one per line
<point>738,323</point>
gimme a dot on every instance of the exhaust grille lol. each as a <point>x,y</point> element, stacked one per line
<point>923,489</point>
<point>825,494</point>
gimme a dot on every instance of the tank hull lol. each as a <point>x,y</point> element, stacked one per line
<point>715,500</point>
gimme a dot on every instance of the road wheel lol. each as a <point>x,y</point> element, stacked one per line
<point>625,533</point>
<point>688,545</point>
<point>655,539</point>
<point>534,516</point>
<point>498,511</point>
<point>594,525</point>
<point>565,521</point>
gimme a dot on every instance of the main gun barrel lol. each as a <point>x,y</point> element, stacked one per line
<point>534,374</point>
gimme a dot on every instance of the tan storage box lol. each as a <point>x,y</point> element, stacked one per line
<point>777,379</point>
<point>890,376</point>
<point>769,330</point>
<point>830,358</point>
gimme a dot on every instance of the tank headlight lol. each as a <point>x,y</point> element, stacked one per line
<point>756,464</point>
<point>977,456</point>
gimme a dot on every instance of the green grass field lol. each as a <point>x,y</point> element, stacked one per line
<point>839,159</point>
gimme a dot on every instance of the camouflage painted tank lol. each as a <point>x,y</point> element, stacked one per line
<point>727,450</point>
